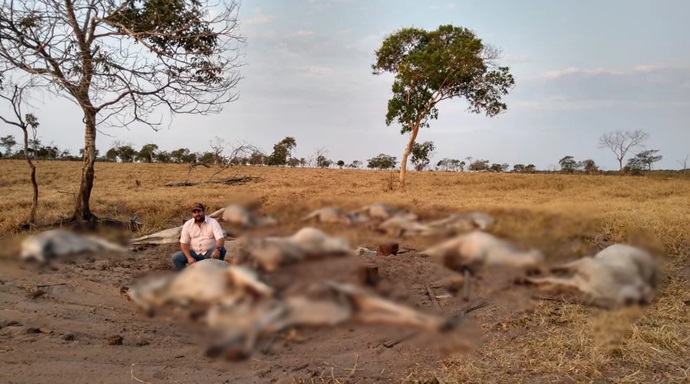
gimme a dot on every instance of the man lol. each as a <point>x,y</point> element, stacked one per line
<point>201,238</point>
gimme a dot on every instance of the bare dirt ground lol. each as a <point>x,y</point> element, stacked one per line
<point>69,323</point>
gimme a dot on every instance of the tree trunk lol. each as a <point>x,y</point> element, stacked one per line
<point>406,154</point>
<point>34,202</point>
<point>82,210</point>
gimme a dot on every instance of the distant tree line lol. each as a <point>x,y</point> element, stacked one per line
<point>282,155</point>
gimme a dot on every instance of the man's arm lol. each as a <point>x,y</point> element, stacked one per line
<point>220,239</point>
<point>184,244</point>
<point>185,250</point>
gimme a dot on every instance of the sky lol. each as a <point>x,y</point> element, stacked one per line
<point>582,68</point>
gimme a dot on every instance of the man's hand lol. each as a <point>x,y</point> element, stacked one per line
<point>191,260</point>
<point>215,254</point>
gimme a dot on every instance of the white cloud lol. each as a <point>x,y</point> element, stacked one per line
<point>642,86</point>
<point>315,70</point>
<point>259,18</point>
<point>304,33</point>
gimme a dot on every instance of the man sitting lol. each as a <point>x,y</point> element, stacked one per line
<point>202,237</point>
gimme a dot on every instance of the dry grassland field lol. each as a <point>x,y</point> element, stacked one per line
<point>63,332</point>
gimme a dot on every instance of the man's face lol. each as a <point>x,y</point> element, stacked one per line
<point>198,215</point>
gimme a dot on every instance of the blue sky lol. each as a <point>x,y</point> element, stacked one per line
<point>582,68</point>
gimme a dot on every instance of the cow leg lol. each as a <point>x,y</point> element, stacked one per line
<point>557,281</point>
<point>371,309</point>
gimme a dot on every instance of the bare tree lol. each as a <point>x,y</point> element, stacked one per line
<point>684,164</point>
<point>23,121</point>
<point>620,143</point>
<point>243,150</point>
<point>319,153</point>
<point>122,60</point>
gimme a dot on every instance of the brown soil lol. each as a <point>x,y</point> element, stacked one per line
<point>69,323</point>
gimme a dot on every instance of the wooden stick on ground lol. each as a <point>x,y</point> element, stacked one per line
<point>433,298</point>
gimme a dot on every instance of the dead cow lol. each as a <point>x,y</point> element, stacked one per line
<point>401,226</point>
<point>58,242</point>
<point>618,275</point>
<point>332,215</point>
<point>200,284</point>
<point>166,236</point>
<point>464,222</point>
<point>239,215</point>
<point>384,211</point>
<point>328,304</point>
<point>306,244</point>
<point>474,250</point>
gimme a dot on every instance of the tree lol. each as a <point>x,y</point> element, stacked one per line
<point>382,161</point>
<point>289,143</point>
<point>479,165</point>
<point>23,122</point>
<point>498,168</point>
<point>421,154</point>
<point>519,168</point>
<point>448,164</point>
<point>647,158</point>
<point>589,166</point>
<point>293,162</point>
<point>147,153</point>
<point>340,164</point>
<point>432,66</point>
<point>355,164</point>
<point>179,155</point>
<point>620,143</point>
<point>8,142</point>
<point>568,164</point>
<point>282,151</point>
<point>120,60</point>
<point>323,162</point>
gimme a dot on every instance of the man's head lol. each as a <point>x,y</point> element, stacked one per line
<point>198,212</point>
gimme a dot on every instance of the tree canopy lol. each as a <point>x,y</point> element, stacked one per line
<point>432,66</point>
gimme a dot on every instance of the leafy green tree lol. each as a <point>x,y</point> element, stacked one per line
<point>147,153</point>
<point>479,165</point>
<point>293,162</point>
<point>111,155</point>
<point>498,168</point>
<point>382,161</point>
<point>421,154</point>
<point>432,66</point>
<point>568,164</point>
<point>340,164</point>
<point>8,142</point>
<point>323,162</point>
<point>448,164</point>
<point>122,60</point>
<point>179,154</point>
<point>646,158</point>
<point>279,155</point>
<point>589,166</point>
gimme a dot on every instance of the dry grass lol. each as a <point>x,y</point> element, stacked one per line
<point>566,216</point>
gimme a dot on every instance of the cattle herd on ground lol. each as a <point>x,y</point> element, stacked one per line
<point>229,296</point>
